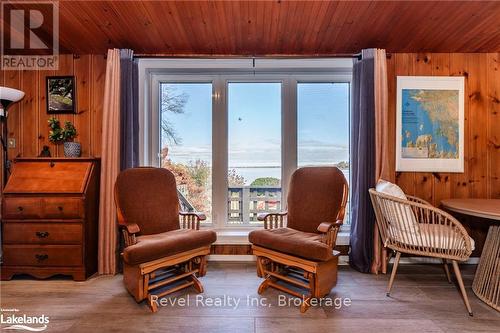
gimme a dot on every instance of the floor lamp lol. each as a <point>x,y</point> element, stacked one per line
<point>8,96</point>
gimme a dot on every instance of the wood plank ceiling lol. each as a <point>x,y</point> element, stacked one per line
<point>278,27</point>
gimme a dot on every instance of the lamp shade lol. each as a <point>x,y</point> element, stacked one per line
<point>7,97</point>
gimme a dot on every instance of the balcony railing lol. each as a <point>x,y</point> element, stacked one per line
<point>245,202</point>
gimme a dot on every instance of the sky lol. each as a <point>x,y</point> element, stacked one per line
<point>254,124</point>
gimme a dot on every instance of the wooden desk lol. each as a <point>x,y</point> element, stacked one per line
<point>49,218</point>
<point>486,283</point>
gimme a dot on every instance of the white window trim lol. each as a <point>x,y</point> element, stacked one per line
<point>220,72</point>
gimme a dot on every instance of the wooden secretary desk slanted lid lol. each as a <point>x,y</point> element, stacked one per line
<point>49,175</point>
<point>49,218</point>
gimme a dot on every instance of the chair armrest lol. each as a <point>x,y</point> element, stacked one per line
<point>429,231</point>
<point>199,215</point>
<point>325,227</point>
<point>455,231</point>
<point>191,220</point>
<point>264,216</point>
<point>272,220</point>
<point>129,231</point>
<point>132,228</point>
<point>418,200</point>
<point>329,231</point>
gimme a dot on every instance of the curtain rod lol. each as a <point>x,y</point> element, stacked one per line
<point>277,56</point>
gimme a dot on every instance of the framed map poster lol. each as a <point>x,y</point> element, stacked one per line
<point>430,124</point>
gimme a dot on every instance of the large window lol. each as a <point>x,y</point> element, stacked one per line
<point>323,126</point>
<point>233,138</point>
<point>186,141</point>
<point>254,150</point>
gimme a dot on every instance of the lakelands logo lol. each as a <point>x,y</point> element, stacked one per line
<point>24,322</point>
<point>30,35</point>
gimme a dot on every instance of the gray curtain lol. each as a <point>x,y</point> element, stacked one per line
<point>363,162</point>
<point>129,111</point>
<point>129,120</point>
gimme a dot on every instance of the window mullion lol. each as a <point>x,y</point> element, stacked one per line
<point>219,153</point>
<point>288,135</point>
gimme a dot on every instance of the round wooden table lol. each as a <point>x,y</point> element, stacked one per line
<point>486,283</point>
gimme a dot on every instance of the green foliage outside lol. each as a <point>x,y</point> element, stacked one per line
<point>266,181</point>
<point>199,172</point>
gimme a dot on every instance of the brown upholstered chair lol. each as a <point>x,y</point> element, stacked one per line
<point>162,245</point>
<point>301,253</point>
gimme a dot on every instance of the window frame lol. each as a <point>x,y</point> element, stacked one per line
<point>150,78</point>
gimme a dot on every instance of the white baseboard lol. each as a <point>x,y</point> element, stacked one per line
<point>343,260</point>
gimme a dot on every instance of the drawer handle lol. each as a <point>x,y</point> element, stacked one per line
<point>41,257</point>
<point>42,234</point>
<point>20,208</point>
<point>60,208</point>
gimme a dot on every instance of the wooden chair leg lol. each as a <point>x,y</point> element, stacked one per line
<point>152,303</point>
<point>456,269</point>
<point>264,285</point>
<point>313,292</point>
<point>305,305</point>
<point>447,270</point>
<point>202,270</point>
<point>393,273</point>
<point>197,284</point>
<point>260,269</point>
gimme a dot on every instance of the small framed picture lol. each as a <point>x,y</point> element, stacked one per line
<point>61,94</point>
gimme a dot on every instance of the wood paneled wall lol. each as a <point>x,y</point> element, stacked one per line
<point>27,122</point>
<point>28,119</point>
<point>481,178</point>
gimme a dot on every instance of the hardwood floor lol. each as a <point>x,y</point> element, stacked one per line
<point>421,301</point>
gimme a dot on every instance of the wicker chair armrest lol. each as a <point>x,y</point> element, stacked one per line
<point>272,220</point>
<point>436,216</point>
<point>418,228</point>
<point>418,200</point>
<point>191,220</point>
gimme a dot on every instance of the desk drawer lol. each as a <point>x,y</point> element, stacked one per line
<point>42,233</point>
<point>63,208</point>
<point>42,255</point>
<point>39,208</point>
<point>22,208</point>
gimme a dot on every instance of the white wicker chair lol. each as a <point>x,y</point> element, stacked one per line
<point>416,227</point>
